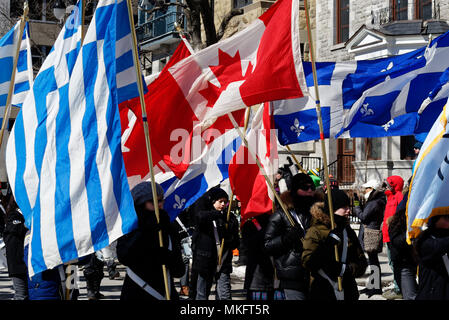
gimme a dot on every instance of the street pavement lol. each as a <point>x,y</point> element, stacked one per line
<point>111,288</point>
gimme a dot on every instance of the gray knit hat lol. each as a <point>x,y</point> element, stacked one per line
<point>142,192</point>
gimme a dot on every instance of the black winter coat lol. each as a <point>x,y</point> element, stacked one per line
<point>259,273</point>
<point>401,253</point>
<point>14,238</point>
<point>372,214</point>
<point>433,278</point>
<point>287,259</point>
<point>141,252</point>
<point>204,248</point>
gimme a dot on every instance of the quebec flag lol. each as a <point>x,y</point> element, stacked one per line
<point>370,98</point>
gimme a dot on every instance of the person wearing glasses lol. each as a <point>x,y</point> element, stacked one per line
<point>283,241</point>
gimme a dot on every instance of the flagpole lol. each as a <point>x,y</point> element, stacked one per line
<point>147,137</point>
<point>83,9</point>
<point>262,169</point>
<point>220,253</point>
<point>296,160</point>
<point>23,20</point>
<point>320,122</point>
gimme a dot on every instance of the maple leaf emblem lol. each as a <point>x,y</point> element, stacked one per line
<point>228,70</point>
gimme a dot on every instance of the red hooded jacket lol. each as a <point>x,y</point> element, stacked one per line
<point>394,196</point>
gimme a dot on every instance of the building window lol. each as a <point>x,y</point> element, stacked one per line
<point>399,9</point>
<point>342,7</point>
<point>407,150</point>
<point>424,9</point>
<point>241,3</point>
<point>372,149</point>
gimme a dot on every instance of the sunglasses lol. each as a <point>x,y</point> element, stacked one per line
<point>307,187</point>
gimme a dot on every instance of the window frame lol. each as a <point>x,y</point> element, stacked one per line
<point>339,26</point>
<point>396,11</point>
<point>419,6</point>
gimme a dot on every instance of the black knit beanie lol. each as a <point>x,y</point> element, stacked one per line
<point>339,200</point>
<point>217,193</point>
<point>299,181</point>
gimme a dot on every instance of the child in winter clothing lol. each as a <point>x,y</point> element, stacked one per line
<point>319,251</point>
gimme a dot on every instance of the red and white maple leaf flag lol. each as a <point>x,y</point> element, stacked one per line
<point>246,179</point>
<point>260,63</point>
<point>163,126</point>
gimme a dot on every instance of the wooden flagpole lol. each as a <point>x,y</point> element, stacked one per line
<point>220,253</point>
<point>83,9</point>
<point>296,160</point>
<point>320,122</point>
<point>23,21</point>
<point>147,138</point>
<point>262,169</point>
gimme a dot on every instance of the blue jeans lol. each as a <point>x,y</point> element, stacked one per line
<point>294,295</point>
<point>396,286</point>
<point>223,287</point>
<point>203,286</point>
<point>184,280</point>
<point>406,278</point>
<point>20,284</point>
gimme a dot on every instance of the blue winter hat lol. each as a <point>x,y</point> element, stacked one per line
<point>417,145</point>
<point>143,192</point>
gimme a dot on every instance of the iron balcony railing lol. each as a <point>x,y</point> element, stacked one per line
<point>158,27</point>
<point>400,12</point>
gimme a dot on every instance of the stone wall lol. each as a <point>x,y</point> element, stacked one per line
<point>359,15</point>
<point>5,24</point>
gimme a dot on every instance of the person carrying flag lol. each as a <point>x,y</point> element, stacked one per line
<point>141,253</point>
<point>210,228</point>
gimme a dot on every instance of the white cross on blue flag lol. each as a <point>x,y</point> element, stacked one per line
<point>64,161</point>
<point>370,98</point>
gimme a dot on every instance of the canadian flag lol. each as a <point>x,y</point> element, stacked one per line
<point>133,138</point>
<point>186,104</point>
<point>246,179</point>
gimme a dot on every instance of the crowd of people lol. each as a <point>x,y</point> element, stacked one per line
<point>301,252</point>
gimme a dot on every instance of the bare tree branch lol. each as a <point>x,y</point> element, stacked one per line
<point>226,20</point>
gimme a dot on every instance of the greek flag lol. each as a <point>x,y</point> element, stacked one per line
<point>24,71</point>
<point>208,172</point>
<point>370,98</point>
<point>64,161</point>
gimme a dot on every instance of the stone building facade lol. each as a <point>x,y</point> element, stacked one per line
<point>375,29</point>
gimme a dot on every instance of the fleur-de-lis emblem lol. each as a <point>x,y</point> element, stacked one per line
<point>365,110</point>
<point>179,202</point>
<point>297,128</point>
<point>390,65</point>
<point>388,125</point>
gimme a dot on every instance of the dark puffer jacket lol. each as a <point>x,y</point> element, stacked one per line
<point>287,259</point>
<point>204,248</point>
<point>14,237</point>
<point>259,270</point>
<point>401,253</point>
<point>433,278</point>
<point>141,252</point>
<point>372,214</point>
<point>318,254</point>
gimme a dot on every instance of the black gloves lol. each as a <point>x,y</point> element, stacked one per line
<point>336,269</point>
<point>292,238</point>
<point>335,236</point>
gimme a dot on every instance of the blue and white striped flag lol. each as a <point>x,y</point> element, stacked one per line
<point>369,98</point>
<point>203,174</point>
<point>24,71</point>
<point>64,161</point>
